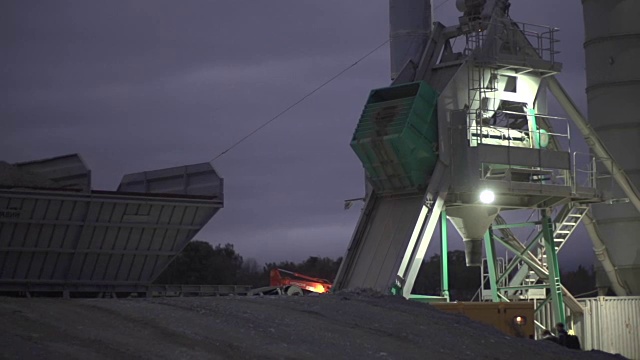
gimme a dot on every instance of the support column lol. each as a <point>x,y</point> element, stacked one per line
<point>489,246</point>
<point>553,267</point>
<point>444,256</point>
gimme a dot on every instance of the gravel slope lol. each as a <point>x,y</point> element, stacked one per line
<point>341,326</point>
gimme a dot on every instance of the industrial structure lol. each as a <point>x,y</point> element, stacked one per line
<point>464,133</point>
<point>59,236</point>
<point>612,49</point>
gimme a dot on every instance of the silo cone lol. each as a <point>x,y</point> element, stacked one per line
<point>472,222</point>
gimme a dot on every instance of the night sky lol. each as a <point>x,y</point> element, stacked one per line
<point>147,84</point>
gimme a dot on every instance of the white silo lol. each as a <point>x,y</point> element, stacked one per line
<point>612,46</point>
<point>409,30</point>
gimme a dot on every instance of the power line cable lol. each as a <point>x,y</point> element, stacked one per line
<point>241,140</point>
<point>298,102</point>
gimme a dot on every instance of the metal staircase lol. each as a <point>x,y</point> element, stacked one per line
<point>570,222</point>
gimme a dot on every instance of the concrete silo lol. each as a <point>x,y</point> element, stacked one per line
<point>612,47</point>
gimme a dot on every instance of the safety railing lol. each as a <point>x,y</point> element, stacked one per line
<point>497,131</point>
<point>606,182</point>
<point>581,172</point>
<point>584,170</point>
<point>489,39</point>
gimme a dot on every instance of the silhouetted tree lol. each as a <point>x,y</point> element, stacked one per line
<point>202,264</point>
<point>324,268</point>
<point>252,274</point>
<point>464,281</point>
<point>580,281</point>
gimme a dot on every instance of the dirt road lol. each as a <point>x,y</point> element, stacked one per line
<point>347,326</point>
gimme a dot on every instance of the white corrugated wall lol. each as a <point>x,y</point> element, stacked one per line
<point>611,324</point>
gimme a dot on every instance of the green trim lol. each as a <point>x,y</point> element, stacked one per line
<point>491,262</point>
<point>534,128</point>
<point>427,298</point>
<point>554,268</point>
<point>542,304</point>
<point>444,256</point>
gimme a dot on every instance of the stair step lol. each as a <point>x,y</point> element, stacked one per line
<point>563,232</point>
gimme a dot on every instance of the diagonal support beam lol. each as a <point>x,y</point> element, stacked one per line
<point>514,263</point>
<point>432,207</point>
<point>489,245</point>
<point>594,142</point>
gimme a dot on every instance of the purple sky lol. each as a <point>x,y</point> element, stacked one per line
<point>146,84</point>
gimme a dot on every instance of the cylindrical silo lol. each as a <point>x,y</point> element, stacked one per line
<point>409,29</point>
<point>612,47</point>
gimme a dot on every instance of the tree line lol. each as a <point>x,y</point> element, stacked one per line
<point>200,263</point>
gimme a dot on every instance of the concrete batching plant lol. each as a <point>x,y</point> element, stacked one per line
<point>464,133</point>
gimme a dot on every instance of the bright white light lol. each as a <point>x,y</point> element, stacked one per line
<point>487,196</point>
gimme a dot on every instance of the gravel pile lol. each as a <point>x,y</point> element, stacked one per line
<point>348,325</point>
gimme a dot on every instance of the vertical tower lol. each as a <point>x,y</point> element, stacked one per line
<point>612,50</point>
<point>409,29</point>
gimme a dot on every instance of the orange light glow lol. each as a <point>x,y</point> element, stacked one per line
<point>520,320</point>
<point>319,289</point>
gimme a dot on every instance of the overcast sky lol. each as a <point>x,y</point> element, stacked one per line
<point>147,84</point>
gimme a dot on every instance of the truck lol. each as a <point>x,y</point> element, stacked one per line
<point>284,282</point>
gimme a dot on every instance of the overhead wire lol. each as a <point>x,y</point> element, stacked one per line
<point>277,116</point>
<point>263,125</point>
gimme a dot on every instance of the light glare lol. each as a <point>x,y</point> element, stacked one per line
<point>487,197</point>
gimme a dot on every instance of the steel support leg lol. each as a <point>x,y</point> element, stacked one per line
<point>553,268</point>
<point>491,263</point>
<point>444,256</point>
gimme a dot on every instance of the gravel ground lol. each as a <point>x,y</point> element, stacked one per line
<point>341,326</point>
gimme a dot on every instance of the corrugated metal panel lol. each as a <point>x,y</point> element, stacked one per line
<point>381,246</point>
<point>197,179</point>
<point>49,237</point>
<point>68,171</point>
<point>612,324</point>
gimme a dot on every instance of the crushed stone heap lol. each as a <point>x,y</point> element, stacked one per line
<point>337,326</point>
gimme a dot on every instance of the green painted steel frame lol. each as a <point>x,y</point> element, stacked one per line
<point>491,264</point>
<point>444,268</point>
<point>554,285</point>
<point>553,267</point>
<point>444,256</point>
